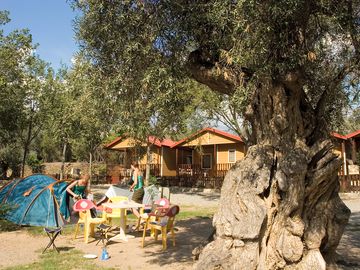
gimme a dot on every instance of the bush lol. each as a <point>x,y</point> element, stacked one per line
<point>153,181</point>
<point>35,164</point>
<point>4,208</point>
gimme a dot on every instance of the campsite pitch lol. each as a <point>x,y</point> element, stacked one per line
<point>22,248</point>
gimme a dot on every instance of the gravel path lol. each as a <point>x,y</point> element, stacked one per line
<point>186,198</point>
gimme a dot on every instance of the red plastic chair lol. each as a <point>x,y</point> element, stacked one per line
<point>159,205</point>
<point>164,222</point>
<point>163,202</point>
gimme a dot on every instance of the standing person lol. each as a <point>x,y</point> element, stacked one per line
<point>79,189</point>
<point>137,186</point>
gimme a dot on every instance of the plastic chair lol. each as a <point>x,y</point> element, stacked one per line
<point>162,203</point>
<point>164,222</point>
<point>52,233</point>
<point>83,206</point>
<point>165,192</point>
<point>110,214</point>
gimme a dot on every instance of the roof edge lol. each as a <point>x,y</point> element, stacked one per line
<point>214,130</point>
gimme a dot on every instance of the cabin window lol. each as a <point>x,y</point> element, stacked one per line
<point>188,159</point>
<point>206,161</point>
<point>232,155</point>
<point>121,158</point>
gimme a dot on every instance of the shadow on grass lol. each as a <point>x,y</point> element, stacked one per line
<point>65,248</point>
<point>7,226</point>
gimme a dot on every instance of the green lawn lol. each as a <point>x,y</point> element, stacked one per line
<point>68,260</point>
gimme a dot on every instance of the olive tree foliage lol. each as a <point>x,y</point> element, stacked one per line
<point>26,93</point>
<point>151,96</point>
<point>289,63</point>
<point>84,112</point>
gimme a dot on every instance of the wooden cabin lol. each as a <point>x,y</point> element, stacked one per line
<point>339,142</point>
<point>206,156</point>
<point>348,147</point>
<point>162,158</point>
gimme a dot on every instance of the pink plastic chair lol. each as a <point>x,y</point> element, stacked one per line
<point>83,206</point>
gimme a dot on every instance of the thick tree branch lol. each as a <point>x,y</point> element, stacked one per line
<point>205,68</point>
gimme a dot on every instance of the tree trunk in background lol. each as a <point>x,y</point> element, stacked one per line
<point>279,206</point>
<point>90,168</point>
<point>148,163</point>
<point>26,148</point>
<point>62,172</point>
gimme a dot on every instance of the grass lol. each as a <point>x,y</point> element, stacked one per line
<point>7,226</point>
<point>187,212</point>
<point>67,260</point>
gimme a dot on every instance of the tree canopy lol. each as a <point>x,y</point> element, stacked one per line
<point>228,45</point>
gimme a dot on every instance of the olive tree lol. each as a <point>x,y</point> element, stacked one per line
<point>291,61</point>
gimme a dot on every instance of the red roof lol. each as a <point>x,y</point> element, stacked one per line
<point>345,137</point>
<point>353,134</point>
<point>151,139</point>
<point>158,142</point>
<point>339,136</point>
<point>114,142</point>
<point>213,130</point>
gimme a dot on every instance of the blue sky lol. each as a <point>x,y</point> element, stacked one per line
<point>51,26</point>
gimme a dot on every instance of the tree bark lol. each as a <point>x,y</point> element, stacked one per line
<point>279,206</point>
<point>27,142</point>
<point>148,163</point>
<point>62,171</point>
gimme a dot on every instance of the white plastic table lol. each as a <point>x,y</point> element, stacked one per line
<point>122,205</point>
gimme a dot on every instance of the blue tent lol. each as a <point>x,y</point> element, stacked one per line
<point>38,200</point>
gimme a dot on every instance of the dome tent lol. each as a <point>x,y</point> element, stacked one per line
<point>37,200</point>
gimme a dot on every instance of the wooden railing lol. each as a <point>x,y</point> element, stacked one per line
<point>219,170</point>
<point>154,169</point>
<point>192,175</point>
<point>350,183</point>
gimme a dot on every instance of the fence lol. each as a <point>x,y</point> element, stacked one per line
<point>190,181</point>
<point>350,183</point>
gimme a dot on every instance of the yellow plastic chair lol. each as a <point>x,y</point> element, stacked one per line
<point>115,213</point>
<point>164,222</point>
<point>83,206</point>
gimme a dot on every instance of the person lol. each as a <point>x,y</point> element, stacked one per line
<point>79,189</point>
<point>137,186</point>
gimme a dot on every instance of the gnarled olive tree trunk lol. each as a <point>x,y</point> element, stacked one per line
<point>279,207</point>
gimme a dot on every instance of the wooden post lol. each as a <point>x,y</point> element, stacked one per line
<point>343,150</point>
<point>353,150</point>
<point>215,161</point>
<point>177,161</point>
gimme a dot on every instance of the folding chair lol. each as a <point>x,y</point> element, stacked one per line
<point>103,229</point>
<point>52,233</point>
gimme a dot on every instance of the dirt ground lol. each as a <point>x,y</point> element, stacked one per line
<point>21,248</point>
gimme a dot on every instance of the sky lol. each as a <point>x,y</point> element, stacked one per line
<point>50,24</point>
